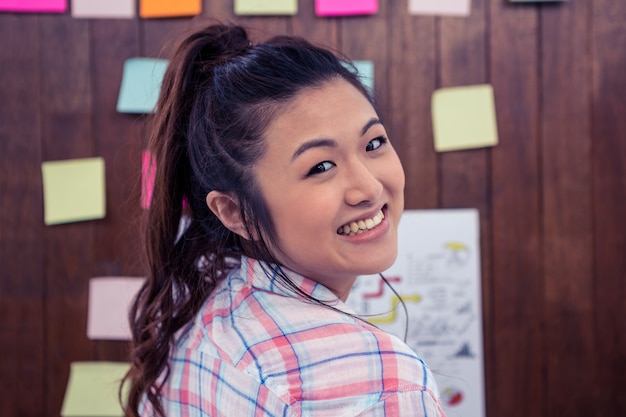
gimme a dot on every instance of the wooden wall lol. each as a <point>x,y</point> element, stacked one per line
<point>551,195</point>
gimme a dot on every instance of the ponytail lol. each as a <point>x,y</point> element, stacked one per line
<point>175,287</point>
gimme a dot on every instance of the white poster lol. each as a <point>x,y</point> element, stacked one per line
<point>437,275</point>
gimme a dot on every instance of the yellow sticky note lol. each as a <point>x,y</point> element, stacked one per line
<point>169,8</point>
<point>73,190</point>
<point>464,118</point>
<point>266,7</point>
<point>92,389</point>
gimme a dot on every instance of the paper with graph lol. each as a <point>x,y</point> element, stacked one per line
<point>437,274</point>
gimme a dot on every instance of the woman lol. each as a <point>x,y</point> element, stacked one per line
<point>292,190</point>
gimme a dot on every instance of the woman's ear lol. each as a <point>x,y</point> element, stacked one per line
<point>226,208</point>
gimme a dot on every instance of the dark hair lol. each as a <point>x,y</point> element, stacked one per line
<point>218,96</point>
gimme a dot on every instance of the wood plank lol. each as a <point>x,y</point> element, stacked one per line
<point>119,139</point>
<point>609,196</point>
<point>465,176</point>
<point>21,220</point>
<point>411,67</point>
<point>320,31</point>
<point>261,28</point>
<point>364,38</point>
<point>66,119</point>
<point>518,285</point>
<point>159,37</point>
<point>567,226</point>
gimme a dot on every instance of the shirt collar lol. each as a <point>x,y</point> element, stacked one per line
<point>266,277</point>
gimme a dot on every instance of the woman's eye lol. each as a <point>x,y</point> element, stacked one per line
<point>321,167</point>
<point>375,143</point>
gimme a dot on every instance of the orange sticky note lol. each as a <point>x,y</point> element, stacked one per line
<point>169,8</point>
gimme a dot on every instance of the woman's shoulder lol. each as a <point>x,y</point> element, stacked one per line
<point>303,352</point>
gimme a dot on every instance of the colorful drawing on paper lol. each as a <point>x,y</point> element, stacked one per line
<point>437,276</point>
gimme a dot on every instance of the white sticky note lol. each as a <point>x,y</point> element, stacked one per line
<point>110,299</point>
<point>440,7</point>
<point>103,9</point>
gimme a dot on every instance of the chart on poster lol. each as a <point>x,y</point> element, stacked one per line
<point>437,276</point>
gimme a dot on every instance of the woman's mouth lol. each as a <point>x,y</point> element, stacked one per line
<point>360,226</point>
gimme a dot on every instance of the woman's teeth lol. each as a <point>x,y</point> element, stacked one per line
<point>361,226</point>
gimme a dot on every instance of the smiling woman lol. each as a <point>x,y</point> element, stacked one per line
<point>293,190</point>
<point>328,165</point>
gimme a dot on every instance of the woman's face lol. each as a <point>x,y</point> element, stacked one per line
<point>333,185</point>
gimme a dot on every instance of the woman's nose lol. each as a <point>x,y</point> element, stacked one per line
<point>363,185</point>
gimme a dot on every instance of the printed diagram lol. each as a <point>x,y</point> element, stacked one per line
<point>391,317</point>
<point>437,277</point>
<point>457,253</point>
<point>451,396</point>
<point>465,351</point>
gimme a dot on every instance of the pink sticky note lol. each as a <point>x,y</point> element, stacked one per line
<point>148,171</point>
<point>345,7</point>
<point>110,299</point>
<point>34,6</point>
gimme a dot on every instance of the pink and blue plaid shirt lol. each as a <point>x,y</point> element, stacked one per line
<point>258,349</point>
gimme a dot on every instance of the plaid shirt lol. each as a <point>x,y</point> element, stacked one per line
<point>257,349</point>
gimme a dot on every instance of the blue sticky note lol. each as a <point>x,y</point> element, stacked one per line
<point>365,71</point>
<point>141,85</point>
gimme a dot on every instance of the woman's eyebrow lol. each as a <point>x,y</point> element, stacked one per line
<point>315,143</point>
<point>373,121</point>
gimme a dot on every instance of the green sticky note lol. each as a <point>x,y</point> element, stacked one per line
<point>92,389</point>
<point>73,190</point>
<point>266,7</point>
<point>464,118</point>
<point>141,85</point>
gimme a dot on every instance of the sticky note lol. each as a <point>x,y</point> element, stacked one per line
<point>345,7</point>
<point>110,299</point>
<point>148,171</point>
<point>92,389</point>
<point>169,8</point>
<point>103,9</point>
<point>464,118</point>
<point>141,85</point>
<point>74,190</point>
<point>365,71</point>
<point>266,7</point>
<point>34,6</point>
<point>440,7</point>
